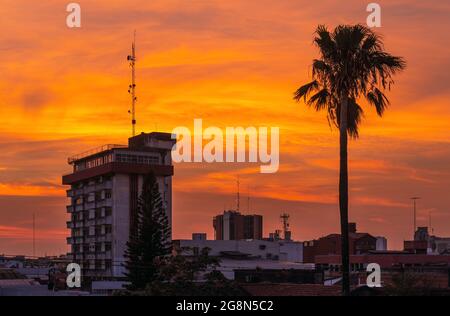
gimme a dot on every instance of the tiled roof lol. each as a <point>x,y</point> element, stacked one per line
<point>284,289</point>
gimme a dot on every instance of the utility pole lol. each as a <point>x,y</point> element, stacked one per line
<point>34,235</point>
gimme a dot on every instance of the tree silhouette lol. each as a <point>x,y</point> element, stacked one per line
<point>352,66</point>
<point>149,237</point>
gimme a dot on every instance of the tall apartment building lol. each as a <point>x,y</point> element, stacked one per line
<point>232,225</point>
<point>105,185</point>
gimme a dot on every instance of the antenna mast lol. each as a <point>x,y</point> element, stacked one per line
<point>132,87</point>
<point>415,213</point>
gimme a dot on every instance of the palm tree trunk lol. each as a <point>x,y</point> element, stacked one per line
<point>343,197</point>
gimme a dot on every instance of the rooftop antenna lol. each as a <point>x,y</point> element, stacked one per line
<point>415,198</point>
<point>132,87</point>
<point>238,200</point>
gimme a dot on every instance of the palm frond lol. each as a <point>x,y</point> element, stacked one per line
<point>305,90</point>
<point>378,99</point>
<point>320,100</point>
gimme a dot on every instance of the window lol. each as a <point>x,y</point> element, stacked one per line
<point>108,229</point>
<point>139,159</point>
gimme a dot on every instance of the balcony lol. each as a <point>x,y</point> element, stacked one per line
<point>105,237</point>
<point>104,203</point>
<point>91,256</point>
<point>70,193</point>
<point>69,208</point>
<point>90,205</point>
<point>70,225</point>
<point>70,240</point>
<point>79,256</point>
<point>91,222</point>
<point>104,255</point>
<point>104,185</point>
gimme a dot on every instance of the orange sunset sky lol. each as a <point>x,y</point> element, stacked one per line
<point>231,63</point>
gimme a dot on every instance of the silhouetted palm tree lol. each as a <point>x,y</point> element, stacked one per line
<point>352,66</point>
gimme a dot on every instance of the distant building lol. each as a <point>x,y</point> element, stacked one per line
<point>232,225</point>
<point>440,245</point>
<point>381,244</point>
<point>386,260</point>
<point>199,236</point>
<point>360,243</point>
<point>105,185</point>
<point>425,243</point>
<point>252,260</point>
<point>247,249</point>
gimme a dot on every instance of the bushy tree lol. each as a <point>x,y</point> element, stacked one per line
<point>149,238</point>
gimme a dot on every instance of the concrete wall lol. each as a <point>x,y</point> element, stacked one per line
<point>121,214</point>
<point>121,221</point>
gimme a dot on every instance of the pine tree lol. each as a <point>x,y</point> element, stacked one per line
<point>149,238</point>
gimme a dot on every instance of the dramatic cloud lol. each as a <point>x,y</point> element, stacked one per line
<point>231,63</point>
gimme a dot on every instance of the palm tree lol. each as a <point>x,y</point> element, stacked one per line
<point>353,66</point>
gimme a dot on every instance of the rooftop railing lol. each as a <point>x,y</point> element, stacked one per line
<point>94,152</point>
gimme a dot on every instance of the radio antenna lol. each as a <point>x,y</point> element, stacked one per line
<point>132,87</point>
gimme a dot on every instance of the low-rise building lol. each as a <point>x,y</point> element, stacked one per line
<point>359,243</point>
<point>252,260</point>
<point>290,251</point>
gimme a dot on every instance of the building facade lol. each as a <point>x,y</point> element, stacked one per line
<point>232,225</point>
<point>105,185</point>
<point>425,243</point>
<point>359,243</point>
<point>283,251</point>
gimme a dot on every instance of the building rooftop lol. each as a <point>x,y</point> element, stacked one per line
<point>94,151</point>
<point>274,289</point>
